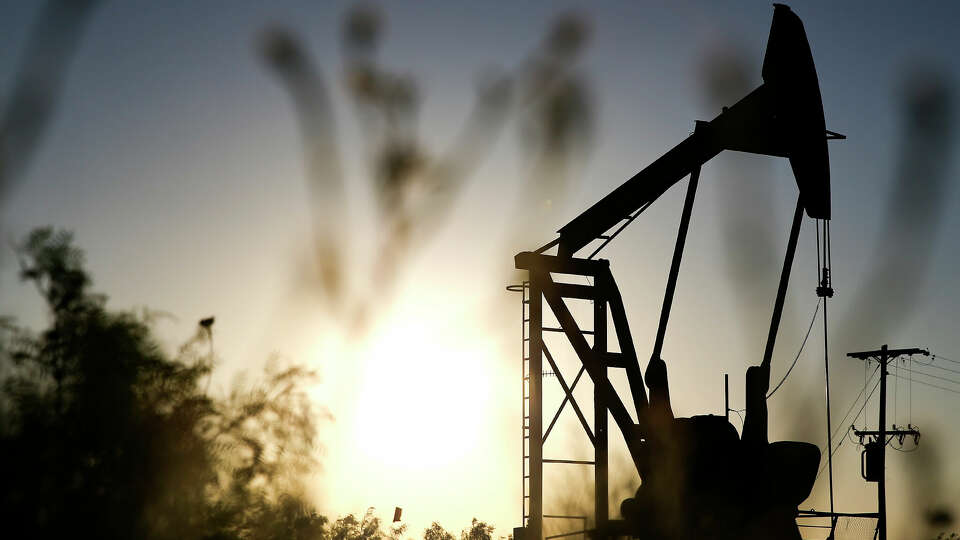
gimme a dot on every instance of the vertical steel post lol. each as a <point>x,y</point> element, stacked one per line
<point>600,470</point>
<point>726,396</point>
<point>535,434</point>
<point>882,440</point>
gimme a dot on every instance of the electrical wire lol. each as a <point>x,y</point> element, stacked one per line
<point>914,449</point>
<point>945,358</point>
<point>839,444</point>
<point>864,406</point>
<point>936,386</point>
<point>866,366</point>
<point>849,435</point>
<point>854,404</point>
<point>918,372</point>
<point>738,411</point>
<point>932,360</point>
<point>896,386</point>
<point>797,357</point>
<point>931,364</point>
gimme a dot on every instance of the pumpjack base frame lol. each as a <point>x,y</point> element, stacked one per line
<point>596,359</point>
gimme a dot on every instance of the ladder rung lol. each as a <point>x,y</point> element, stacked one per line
<point>526,320</point>
<point>603,237</point>
<point>526,496</point>
<point>526,476</point>
<point>550,329</point>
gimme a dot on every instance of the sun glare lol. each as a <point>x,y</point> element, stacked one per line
<point>424,392</point>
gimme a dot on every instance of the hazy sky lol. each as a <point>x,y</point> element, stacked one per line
<point>175,157</point>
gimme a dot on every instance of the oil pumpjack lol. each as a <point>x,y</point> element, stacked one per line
<point>700,478</point>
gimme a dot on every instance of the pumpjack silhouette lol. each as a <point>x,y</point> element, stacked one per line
<point>700,479</point>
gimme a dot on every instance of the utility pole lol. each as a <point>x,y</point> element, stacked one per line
<point>876,454</point>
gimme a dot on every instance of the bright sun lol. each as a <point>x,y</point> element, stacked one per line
<point>423,400</point>
<point>419,413</point>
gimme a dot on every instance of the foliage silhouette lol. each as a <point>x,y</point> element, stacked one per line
<point>105,433</point>
<point>436,532</point>
<point>478,531</point>
<point>369,527</point>
<point>417,187</point>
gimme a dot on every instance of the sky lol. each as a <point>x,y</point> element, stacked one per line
<point>175,157</point>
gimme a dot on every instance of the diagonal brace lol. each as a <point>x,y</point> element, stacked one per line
<point>591,363</point>
<point>625,339</point>
<point>568,397</point>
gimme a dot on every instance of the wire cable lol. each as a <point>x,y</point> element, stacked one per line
<point>866,365</point>
<point>825,290</point>
<point>839,444</point>
<point>847,415</point>
<point>936,386</point>
<point>896,386</point>
<point>918,372</point>
<point>945,358</point>
<point>854,404</point>
<point>797,357</point>
<point>931,364</point>
<point>738,411</point>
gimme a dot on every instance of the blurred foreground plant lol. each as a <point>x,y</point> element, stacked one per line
<point>104,433</point>
<point>415,187</point>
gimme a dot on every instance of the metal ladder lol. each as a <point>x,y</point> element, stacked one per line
<point>525,382</point>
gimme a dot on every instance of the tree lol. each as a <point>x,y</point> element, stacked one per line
<point>436,532</point>
<point>478,531</point>
<point>103,432</point>
<point>369,527</point>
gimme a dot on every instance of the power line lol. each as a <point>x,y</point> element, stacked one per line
<point>931,364</point>
<point>855,401</point>
<point>865,401</point>
<point>945,358</point>
<point>935,386</point>
<point>914,449</point>
<point>839,444</point>
<point>918,372</point>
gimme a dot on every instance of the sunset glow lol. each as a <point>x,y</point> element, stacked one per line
<point>343,187</point>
